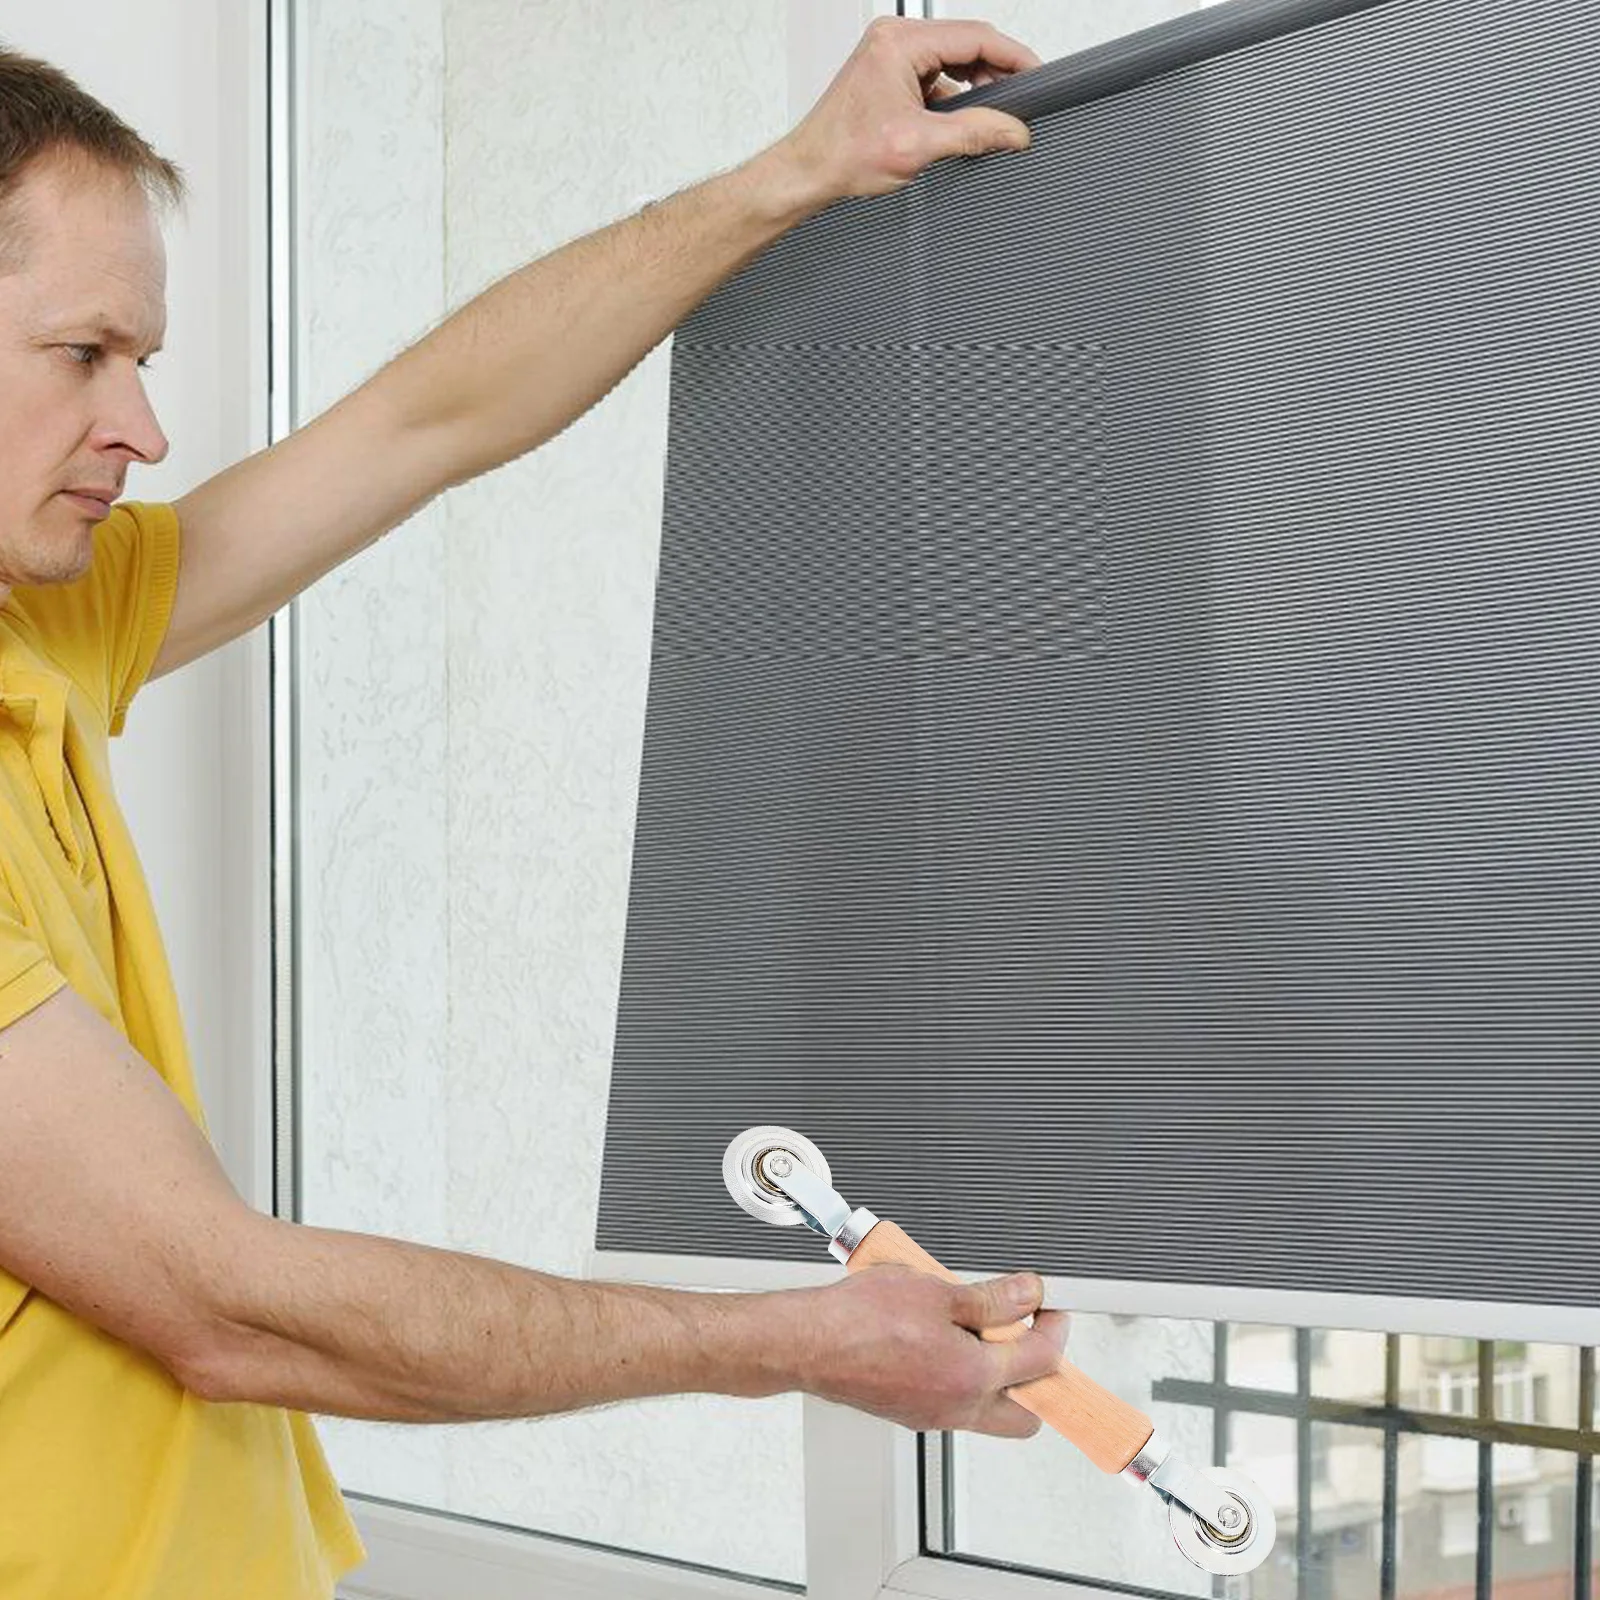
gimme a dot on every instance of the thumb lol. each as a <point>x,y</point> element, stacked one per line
<point>976,132</point>
<point>998,1301</point>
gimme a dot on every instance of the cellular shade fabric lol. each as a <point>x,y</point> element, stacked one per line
<point>1122,771</point>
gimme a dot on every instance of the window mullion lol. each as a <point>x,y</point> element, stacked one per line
<point>1486,1413</point>
<point>859,1475</point>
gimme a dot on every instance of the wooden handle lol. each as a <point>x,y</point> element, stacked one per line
<point>1108,1430</point>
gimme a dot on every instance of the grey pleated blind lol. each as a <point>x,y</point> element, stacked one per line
<point>1122,769</point>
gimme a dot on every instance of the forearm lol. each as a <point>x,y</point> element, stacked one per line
<point>527,357</point>
<point>352,1325</point>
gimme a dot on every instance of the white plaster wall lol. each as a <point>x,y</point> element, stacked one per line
<point>472,703</point>
<point>186,73</point>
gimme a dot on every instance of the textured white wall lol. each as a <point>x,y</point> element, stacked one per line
<point>472,711</point>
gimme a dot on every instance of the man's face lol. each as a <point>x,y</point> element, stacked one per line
<point>82,305</point>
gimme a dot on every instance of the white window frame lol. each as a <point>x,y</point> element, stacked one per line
<point>861,1543</point>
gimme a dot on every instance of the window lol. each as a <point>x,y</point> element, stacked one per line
<point>1535,1519</point>
<point>1455,1393</point>
<point>1343,1449</point>
<point>1458,1528</point>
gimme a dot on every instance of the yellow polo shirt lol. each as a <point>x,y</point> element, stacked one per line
<point>115,1483</point>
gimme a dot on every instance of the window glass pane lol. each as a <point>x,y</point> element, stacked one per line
<point>1042,1504</point>
<point>1044,1507</point>
<point>470,696</point>
<point>1458,1529</point>
<point>1436,1536</point>
<point>1594,1534</point>
<point>1548,1392</point>
<point>1053,30</point>
<point>1261,1357</point>
<point>1345,1551</point>
<point>1348,1364</point>
<point>1265,1449</point>
<point>1535,1509</point>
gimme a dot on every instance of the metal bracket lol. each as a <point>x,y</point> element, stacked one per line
<point>825,1208</point>
<point>1174,1479</point>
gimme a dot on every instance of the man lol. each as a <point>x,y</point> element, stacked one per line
<point>160,1341</point>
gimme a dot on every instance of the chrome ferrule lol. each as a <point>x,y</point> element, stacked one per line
<point>856,1227</point>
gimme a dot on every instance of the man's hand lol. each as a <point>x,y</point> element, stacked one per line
<point>872,132</point>
<point>901,1345</point>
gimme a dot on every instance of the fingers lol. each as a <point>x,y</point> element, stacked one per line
<point>1006,1420</point>
<point>901,1344</point>
<point>997,1301</point>
<point>1054,1325</point>
<point>953,44</point>
<point>1000,1302</point>
<point>976,132</point>
<point>1035,1355</point>
<point>872,132</point>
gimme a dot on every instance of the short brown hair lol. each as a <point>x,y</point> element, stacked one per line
<point>44,113</point>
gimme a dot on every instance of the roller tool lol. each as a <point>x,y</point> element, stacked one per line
<point>1219,1519</point>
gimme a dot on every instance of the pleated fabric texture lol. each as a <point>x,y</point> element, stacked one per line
<point>1122,768</point>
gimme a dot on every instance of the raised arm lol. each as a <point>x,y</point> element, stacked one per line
<point>113,1205</point>
<point>519,363</point>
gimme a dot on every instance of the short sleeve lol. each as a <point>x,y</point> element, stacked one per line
<point>28,977</point>
<point>105,628</point>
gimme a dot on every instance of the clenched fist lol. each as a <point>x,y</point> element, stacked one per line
<point>903,1345</point>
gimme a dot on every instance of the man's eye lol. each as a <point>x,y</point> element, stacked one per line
<point>88,355</point>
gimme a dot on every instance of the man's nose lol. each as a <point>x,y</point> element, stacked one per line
<point>129,422</point>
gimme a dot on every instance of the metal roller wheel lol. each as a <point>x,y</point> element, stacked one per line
<point>1213,1550</point>
<point>741,1173</point>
